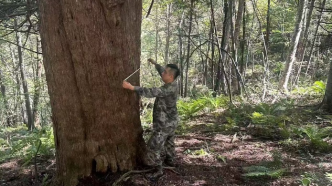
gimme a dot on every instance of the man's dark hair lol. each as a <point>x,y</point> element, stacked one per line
<point>174,69</point>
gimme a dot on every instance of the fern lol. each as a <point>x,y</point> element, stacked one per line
<point>189,109</point>
<point>316,136</point>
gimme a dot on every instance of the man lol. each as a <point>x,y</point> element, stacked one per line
<point>165,117</point>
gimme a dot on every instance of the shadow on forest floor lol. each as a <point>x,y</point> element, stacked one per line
<point>206,156</point>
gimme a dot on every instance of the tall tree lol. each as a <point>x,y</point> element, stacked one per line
<point>168,32</point>
<point>268,24</point>
<point>188,45</point>
<point>89,47</point>
<point>222,47</point>
<point>283,84</point>
<point>321,8</point>
<point>26,93</point>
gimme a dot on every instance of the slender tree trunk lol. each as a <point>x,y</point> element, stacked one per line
<point>168,32</point>
<point>267,39</point>
<point>223,46</point>
<point>28,109</point>
<point>303,44</point>
<point>89,47</point>
<point>157,30</point>
<point>322,6</point>
<point>181,56</point>
<point>4,97</point>
<point>38,85</point>
<point>242,64</point>
<point>283,84</point>
<point>264,54</point>
<point>188,46</point>
<point>212,48</point>
<point>239,18</point>
<point>328,92</point>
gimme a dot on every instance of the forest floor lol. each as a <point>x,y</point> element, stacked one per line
<point>205,156</point>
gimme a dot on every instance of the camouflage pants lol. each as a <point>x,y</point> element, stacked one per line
<point>161,145</point>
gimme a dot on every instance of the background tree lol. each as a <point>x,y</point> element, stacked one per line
<point>283,84</point>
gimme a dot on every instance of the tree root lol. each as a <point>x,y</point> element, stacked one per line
<point>125,176</point>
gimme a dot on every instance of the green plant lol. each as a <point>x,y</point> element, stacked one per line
<point>200,152</point>
<point>261,171</point>
<point>305,181</point>
<point>24,144</point>
<point>317,88</point>
<point>269,169</point>
<point>191,108</point>
<point>221,158</point>
<point>316,136</point>
<point>215,102</point>
<point>329,176</point>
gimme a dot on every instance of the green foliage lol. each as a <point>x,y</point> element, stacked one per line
<point>188,109</point>
<point>216,102</point>
<point>308,178</point>
<point>329,176</point>
<point>221,158</point>
<point>305,181</point>
<point>24,144</point>
<point>272,169</point>
<point>318,88</point>
<point>270,120</point>
<point>316,136</point>
<point>200,152</point>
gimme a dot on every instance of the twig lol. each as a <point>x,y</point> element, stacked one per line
<point>151,5</point>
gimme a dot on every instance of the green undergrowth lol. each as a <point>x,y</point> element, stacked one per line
<point>18,142</point>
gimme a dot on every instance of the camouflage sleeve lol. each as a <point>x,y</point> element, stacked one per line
<point>159,68</point>
<point>154,92</point>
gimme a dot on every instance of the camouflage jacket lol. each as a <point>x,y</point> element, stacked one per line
<point>165,113</point>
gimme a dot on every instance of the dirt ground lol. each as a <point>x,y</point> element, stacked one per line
<point>205,157</point>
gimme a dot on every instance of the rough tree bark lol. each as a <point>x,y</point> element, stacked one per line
<point>89,47</point>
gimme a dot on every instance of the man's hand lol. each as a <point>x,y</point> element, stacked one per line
<point>127,85</point>
<point>151,61</point>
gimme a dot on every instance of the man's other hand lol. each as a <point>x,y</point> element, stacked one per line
<point>151,61</point>
<point>127,85</point>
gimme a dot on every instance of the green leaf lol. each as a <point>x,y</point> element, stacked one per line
<point>305,181</point>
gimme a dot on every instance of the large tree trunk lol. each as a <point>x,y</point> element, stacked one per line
<point>283,84</point>
<point>89,47</point>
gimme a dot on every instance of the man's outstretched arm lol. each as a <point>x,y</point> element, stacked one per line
<point>159,68</point>
<point>149,92</point>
